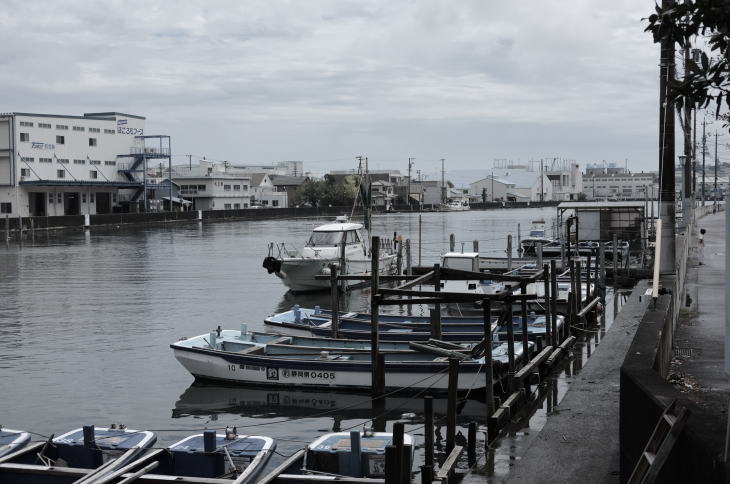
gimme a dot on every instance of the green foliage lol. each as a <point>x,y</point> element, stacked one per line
<point>708,80</point>
<point>326,192</point>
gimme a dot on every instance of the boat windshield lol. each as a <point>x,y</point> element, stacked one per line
<point>325,239</point>
<point>459,263</point>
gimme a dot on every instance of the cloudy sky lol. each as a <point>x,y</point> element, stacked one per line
<point>326,80</point>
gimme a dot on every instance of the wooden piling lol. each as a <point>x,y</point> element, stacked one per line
<point>452,242</point>
<point>538,251</point>
<point>602,272</point>
<point>435,323</point>
<point>406,458</point>
<point>428,430</point>
<point>378,372</point>
<point>489,365</point>
<point>615,257</point>
<point>519,240</point>
<point>571,314</point>
<point>509,252</point>
<point>510,344</point>
<point>578,287</point>
<point>426,474</point>
<point>409,265</point>
<point>475,246</point>
<point>399,256</point>
<point>471,444</point>
<point>451,404</point>
<point>554,301</point>
<point>420,239</point>
<point>392,466</point>
<point>525,334</point>
<point>335,293</point>
<point>548,320</point>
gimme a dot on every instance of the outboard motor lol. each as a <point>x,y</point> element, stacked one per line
<point>272,264</point>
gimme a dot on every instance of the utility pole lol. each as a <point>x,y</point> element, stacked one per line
<point>704,149</point>
<point>408,196</point>
<point>443,184</point>
<point>190,162</point>
<point>687,203</point>
<point>666,153</point>
<point>420,191</point>
<point>714,191</point>
<point>542,184</point>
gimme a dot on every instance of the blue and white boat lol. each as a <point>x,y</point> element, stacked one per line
<point>287,361</point>
<point>88,453</point>
<point>210,457</point>
<point>339,457</point>
<point>12,440</point>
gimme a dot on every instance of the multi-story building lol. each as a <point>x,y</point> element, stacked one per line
<point>617,183</point>
<point>287,168</point>
<point>265,194</point>
<point>210,187</point>
<point>68,165</point>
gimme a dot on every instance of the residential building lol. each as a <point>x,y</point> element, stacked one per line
<point>382,194</point>
<point>265,194</point>
<point>286,168</point>
<point>288,184</point>
<point>617,183</point>
<point>54,164</point>
<point>210,187</point>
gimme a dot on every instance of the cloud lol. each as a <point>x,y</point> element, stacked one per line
<point>348,68</point>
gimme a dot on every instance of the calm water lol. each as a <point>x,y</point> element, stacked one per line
<point>86,321</point>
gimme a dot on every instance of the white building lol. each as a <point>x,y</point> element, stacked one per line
<point>287,168</point>
<point>618,184</point>
<point>512,185</point>
<point>67,165</point>
<point>265,194</point>
<point>210,187</point>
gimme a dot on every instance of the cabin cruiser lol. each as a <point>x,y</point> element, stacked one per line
<point>455,205</point>
<point>342,243</point>
<point>537,236</point>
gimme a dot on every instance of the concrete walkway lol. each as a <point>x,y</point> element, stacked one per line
<point>580,442</point>
<point>698,367</point>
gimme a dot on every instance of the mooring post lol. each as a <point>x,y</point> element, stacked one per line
<point>525,336</point>
<point>589,289</point>
<point>578,287</point>
<point>562,256</point>
<point>405,463</point>
<point>569,317</point>
<point>428,430</point>
<point>519,240</point>
<point>335,293</point>
<point>510,344</point>
<point>437,307</point>
<point>452,242</point>
<point>471,444</point>
<point>548,321</point>
<point>602,273</point>
<point>451,405</point>
<point>399,256</point>
<point>409,266</point>
<point>538,249</point>
<point>420,239</point>
<point>378,373</point>
<point>615,257</point>
<point>435,323</point>
<point>554,300</point>
<point>509,252</point>
<point>426,474</point>
<point>392,465</point>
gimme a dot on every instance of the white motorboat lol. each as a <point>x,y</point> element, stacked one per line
<point>537,236</point>
<point>341,243</point>
<point>455,205</point>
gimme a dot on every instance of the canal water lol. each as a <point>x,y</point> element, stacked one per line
<point>86,320</point>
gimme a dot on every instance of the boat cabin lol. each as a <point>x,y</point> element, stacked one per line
<point>463,261</point>
<point>327,241</point>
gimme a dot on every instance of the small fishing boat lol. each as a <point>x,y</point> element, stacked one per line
<point>536,236</point>
<point>88,453</point>
<point>454,205</point>
<point>279,360</point>
<point>210,457</point>
<point>339,456</point>
<point>342,243</point>
<point>12,440</point>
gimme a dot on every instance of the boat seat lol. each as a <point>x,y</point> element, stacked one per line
<point>252,349</point>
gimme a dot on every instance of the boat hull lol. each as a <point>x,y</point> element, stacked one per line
<point>299,274</point>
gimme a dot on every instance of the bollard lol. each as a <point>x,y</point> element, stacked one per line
<point>451,405</point>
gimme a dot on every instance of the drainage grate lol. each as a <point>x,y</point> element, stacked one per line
<point>686,352</point>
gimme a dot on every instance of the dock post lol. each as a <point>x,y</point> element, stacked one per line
<point>519,240</point>
<point>420,238</point>
<point>578,287</point>
<point>378,373</point>
<point>525,335</point>
<point>392,466</point>
<point>409,266</point>
<point>428,430</point>
<point>451,405</point>
<point>335,292</point>
<point>399,257</point>
<point>510,345</point>
<point>538,250</point>
<point>426,474</point>
<point>471,444</point>
<point>562,256</point>
<point>452,242</point>
<point>475,245</point>
<point>489,368</point>
<point>509,252</point>
<point>615,258</point>
<point>406,463</point>
<point>548,321</point>
<point>554,301</point>
<point>602,272</point>
<point>436,312</point>
<point>571,313</point>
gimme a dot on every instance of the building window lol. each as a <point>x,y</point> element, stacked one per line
<point>95,162</point>
<point>92,141</point>
<point>59,197</point>
<point>60,173</point>
<point>93,174</point>
<point>245,187</point>
<point>245,205</point>
<point>237,187</point>
<point>236,205</point>
<point>91,197</point>
<point>114,198</point>
<point>83,197</point>
<point>201,188</point>
<point>63,161</point>
<point>44,160</point>
<point>108,131</point>
<point>79,162</point>
<point>27,159</point>
<point>6,207</point>
<point>44,125</point>
<point>110,163</point>
<point>26,124</point>
<point>94,130</point>
<point>24,137</point>
<point>60,140</point>
<point>79,128</point>
<point>227,188</point>
<point>51,199</point>
<point>275,203</point>
<point>61,126</point>
<point>227,206</point>
<point>25,172</point>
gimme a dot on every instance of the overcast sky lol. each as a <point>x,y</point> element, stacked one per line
<point>325,81</point>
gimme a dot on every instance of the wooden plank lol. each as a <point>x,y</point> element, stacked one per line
<point>271,476</point>
<point>450,463</point>
<point>534,363</point>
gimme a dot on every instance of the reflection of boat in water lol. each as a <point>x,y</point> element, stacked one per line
<point>204,398</point>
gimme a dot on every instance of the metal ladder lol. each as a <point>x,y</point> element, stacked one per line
<point>660,444</point>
